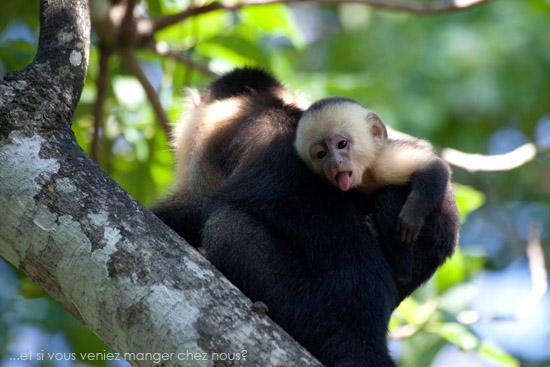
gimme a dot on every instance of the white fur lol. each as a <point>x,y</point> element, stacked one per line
<point>346,118</point>
<point>195,172</point>
<point>192,133</point>
<point>291,97</point>
<point>397,160</point>
<point>390,162</point>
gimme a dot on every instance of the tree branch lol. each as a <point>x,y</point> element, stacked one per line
<point>442,6</point>
<point>128,33</point>
<point>492,163</point>
<point>133,66</point>
<point>101,95</point>
<point>537,269</point>
<point>83,239</point>
<point>65,34</point>
<point>128,17</point>
<point>162,49</point>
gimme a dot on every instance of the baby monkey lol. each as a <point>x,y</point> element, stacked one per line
<point>348,145</point>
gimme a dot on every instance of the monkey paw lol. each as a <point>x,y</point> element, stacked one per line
<point>409,227</point>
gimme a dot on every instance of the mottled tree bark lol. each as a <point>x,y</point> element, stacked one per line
<point>92,247</point>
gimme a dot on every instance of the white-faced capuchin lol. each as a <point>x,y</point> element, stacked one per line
<point>348,145</point>
<point>283,235</point>
<point>216,138</point>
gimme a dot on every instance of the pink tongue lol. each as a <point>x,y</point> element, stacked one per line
<point>344,180</point>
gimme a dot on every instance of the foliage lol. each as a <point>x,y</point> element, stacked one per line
<point>459,79</point>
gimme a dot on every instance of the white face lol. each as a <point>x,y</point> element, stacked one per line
<point>332,157</point>
<point>339,142</point>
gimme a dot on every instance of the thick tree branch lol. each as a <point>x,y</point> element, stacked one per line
<point>66,34</point>
<point>442,6</point>
<point>78,235</point>
<point>133,67</point>
<point>101,95</point>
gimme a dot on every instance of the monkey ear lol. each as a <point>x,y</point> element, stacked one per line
<point>377,127</point>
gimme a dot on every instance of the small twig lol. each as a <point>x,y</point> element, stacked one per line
<point>162,49</point>
<point>127,31</point>
<point>442,6</point>
<point>539,275</point>
<point>492,163</point>
<point>101,95</point>
<point>133,66</point>
<point>128,17</point>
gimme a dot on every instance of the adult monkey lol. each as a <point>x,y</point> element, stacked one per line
<point>292,241</point>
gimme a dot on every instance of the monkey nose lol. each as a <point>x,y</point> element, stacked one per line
<point>334,169</point>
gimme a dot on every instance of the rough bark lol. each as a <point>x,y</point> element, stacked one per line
<point>78,235</point>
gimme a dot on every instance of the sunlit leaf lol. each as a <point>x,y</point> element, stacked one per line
<point>128,91</point>
<point>274,19</point>
<point>495,354</point>
<point>29,289</point>
<point>455,333</point>
<point>414,313</point>
<point>468,199</point>
<point>235,49</point>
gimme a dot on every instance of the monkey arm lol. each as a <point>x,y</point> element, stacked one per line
<point>427,189</point>
<point>182,216</point>
<point>435,242</point>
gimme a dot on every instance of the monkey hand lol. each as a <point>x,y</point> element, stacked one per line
<point>409,225</point>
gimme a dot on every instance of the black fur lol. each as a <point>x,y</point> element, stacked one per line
<point>319,258</point>
<point>229,149</point>
<point>303,248</point>
<point>427,189</point>
<point>184,216</point>
<point>241,81</point>
<point>436,241</point>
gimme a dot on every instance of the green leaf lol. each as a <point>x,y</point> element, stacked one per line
<point>451,272</point>
<point>495,354</point>
<point>194,30</point>
<point>456,269</point>
<point>236,49</point>
<point>455,333</point>
<point>15,54</point>
<point>419,350</point>
<point>154,7</point>
<point>468,199</point>
<point>414,313</point>
<point>274,19</point>
<point>29,289</point>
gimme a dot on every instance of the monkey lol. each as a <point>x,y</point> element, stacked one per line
<point>348,145</point>
<point>289,239</point>
<point>203,160</point>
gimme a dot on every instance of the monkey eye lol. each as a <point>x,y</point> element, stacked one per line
<point>342,144</point>
<point>321,154</point>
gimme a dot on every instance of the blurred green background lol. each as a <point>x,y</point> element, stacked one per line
<point>476,81</point>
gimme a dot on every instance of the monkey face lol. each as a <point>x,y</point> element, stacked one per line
<point>339,139</point>
<point>332,158</point>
